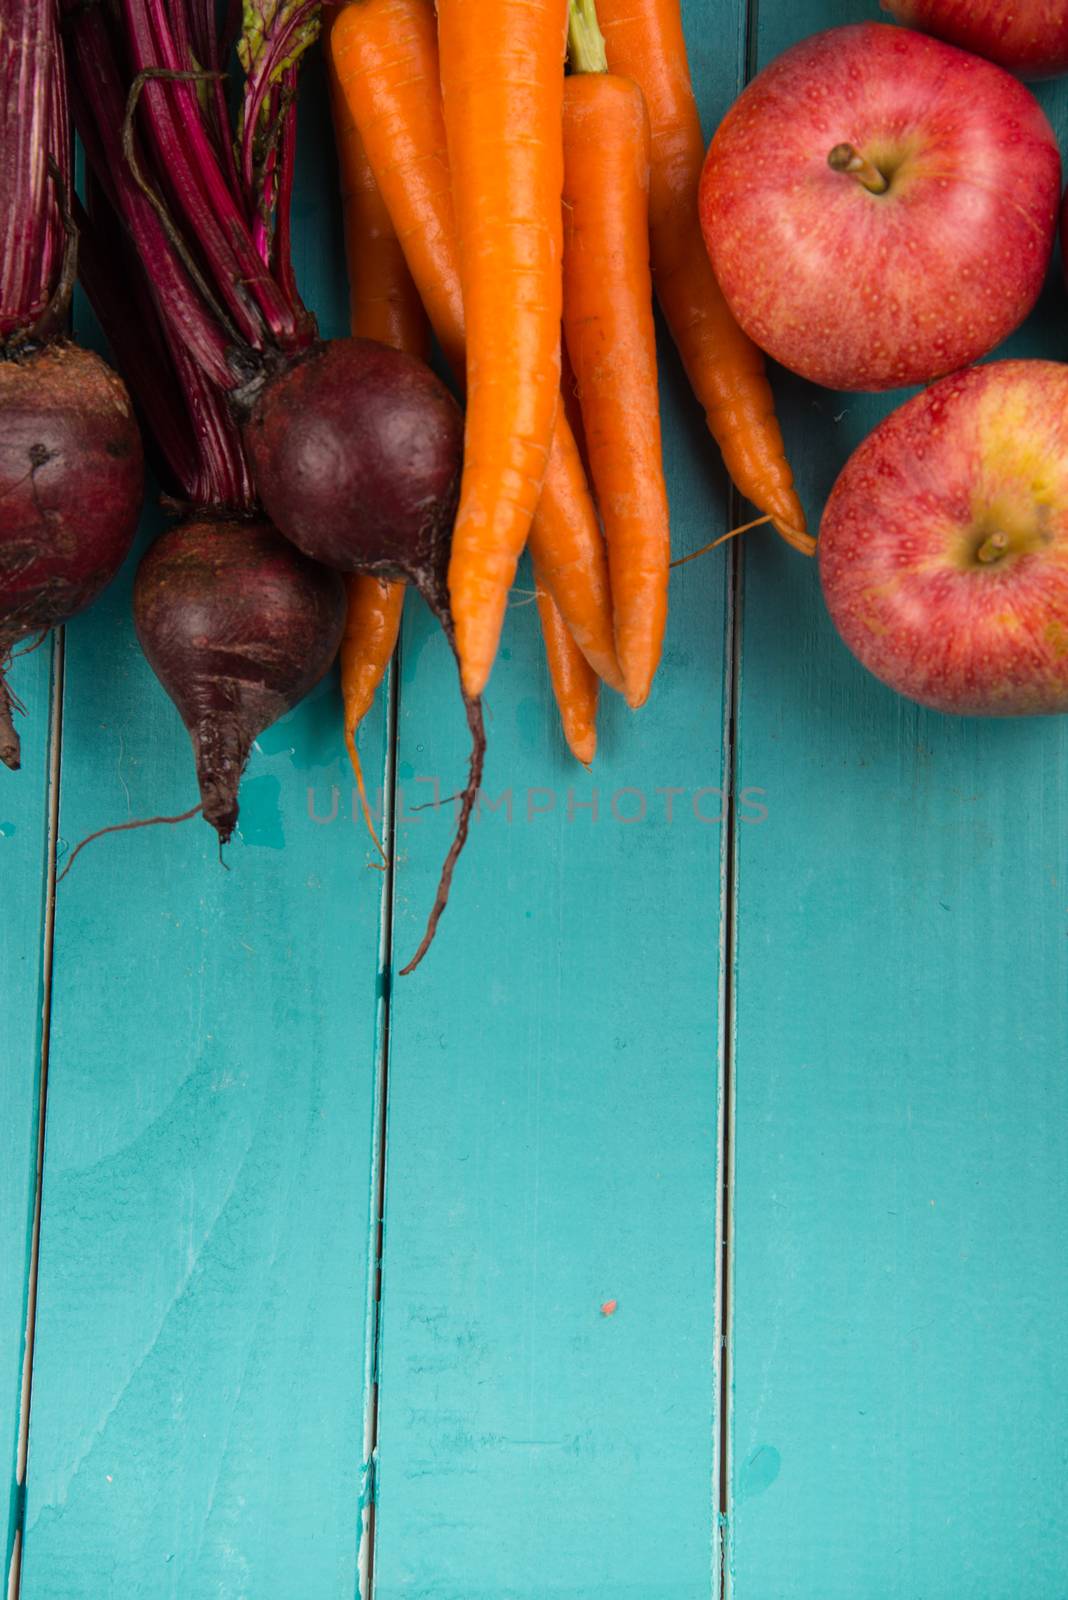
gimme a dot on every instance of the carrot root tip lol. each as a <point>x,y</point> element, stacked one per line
<point>365,805</point>
<point>804,543</point>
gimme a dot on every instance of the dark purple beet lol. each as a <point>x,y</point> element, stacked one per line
<point>71,485</point>
<point>356,452</point>
<point>238,626</point>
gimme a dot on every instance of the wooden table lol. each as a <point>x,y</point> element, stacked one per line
<point>787,1081</point>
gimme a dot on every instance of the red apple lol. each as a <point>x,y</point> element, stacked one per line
<point>944,546</point>
<point>880,207</point>
<point>1027,36</point>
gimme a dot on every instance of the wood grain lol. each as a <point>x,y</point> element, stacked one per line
<point>901,1102</point>
<point>552,1144</point>
<point>23,874</point>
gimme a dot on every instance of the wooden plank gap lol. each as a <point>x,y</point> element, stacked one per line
<point>368,1502</point>
<point>55,747</point>
<point>749,21</point>
<point>14,1576</point>
<point>725,1159</point>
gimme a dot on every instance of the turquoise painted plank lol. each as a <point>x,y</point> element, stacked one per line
<point>552,1146</point>
<point>900,1280</point>
<point>553,1112</point>
<point>198,1405</point>
<point>23,873</point>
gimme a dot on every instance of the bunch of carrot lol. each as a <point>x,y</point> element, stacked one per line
<point>512,202</point>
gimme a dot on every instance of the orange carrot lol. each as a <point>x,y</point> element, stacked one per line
<point>386,55</point>
<point>372,624</point>
<point>384,304</point>
<point>568,546</point>
<point>572,409</point>
<point>574,682</point>
<point>611,339</point>
<point>502,89</point>
<point>644,41</point>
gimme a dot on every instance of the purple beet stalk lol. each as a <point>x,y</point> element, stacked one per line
<point>235,621</point>
<point>71,470</point>
<point>354,450</point>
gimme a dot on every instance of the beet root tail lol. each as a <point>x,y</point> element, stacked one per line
<point>221,747</point>
<point>10,749</point>
<point>473,707</point>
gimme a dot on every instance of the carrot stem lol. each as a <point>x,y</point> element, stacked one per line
<point>585,41</point>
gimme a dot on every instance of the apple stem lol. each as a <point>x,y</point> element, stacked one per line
<point>845,158</point>
<point>993,549</point>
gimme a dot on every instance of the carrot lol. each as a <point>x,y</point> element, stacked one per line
<point>644,41</point>
<point>574,682</point>
<point>502,89</point>
<point>384,304</point>
<point>611,339</point>
<point>572,409</point>
<point>372,624</point>
<point>567,546</point>
<point>386,54</point>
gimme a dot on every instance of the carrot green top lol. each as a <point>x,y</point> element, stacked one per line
<point>585,41</point>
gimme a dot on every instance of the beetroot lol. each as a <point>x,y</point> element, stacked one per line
<point>71,470</point>
<point>356,453</point>
<point>71,480</point>
<point>236,623</point>
<point>238,626</point>
<point>353,450</point>
<point>369,488</point>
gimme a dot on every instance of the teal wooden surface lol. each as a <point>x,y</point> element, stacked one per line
<point>198,1386</point>
<point>212,1369</point>
<point>900,1375</point>
<point>23,874</point>
<point>554,1110</point>
<point>209,1192</point>
<point>553,1116</point>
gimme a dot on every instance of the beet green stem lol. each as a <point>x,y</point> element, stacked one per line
<point>272,59</point>
<point>100,101</point>
<point>182,154</point>
<point>33,131</point>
